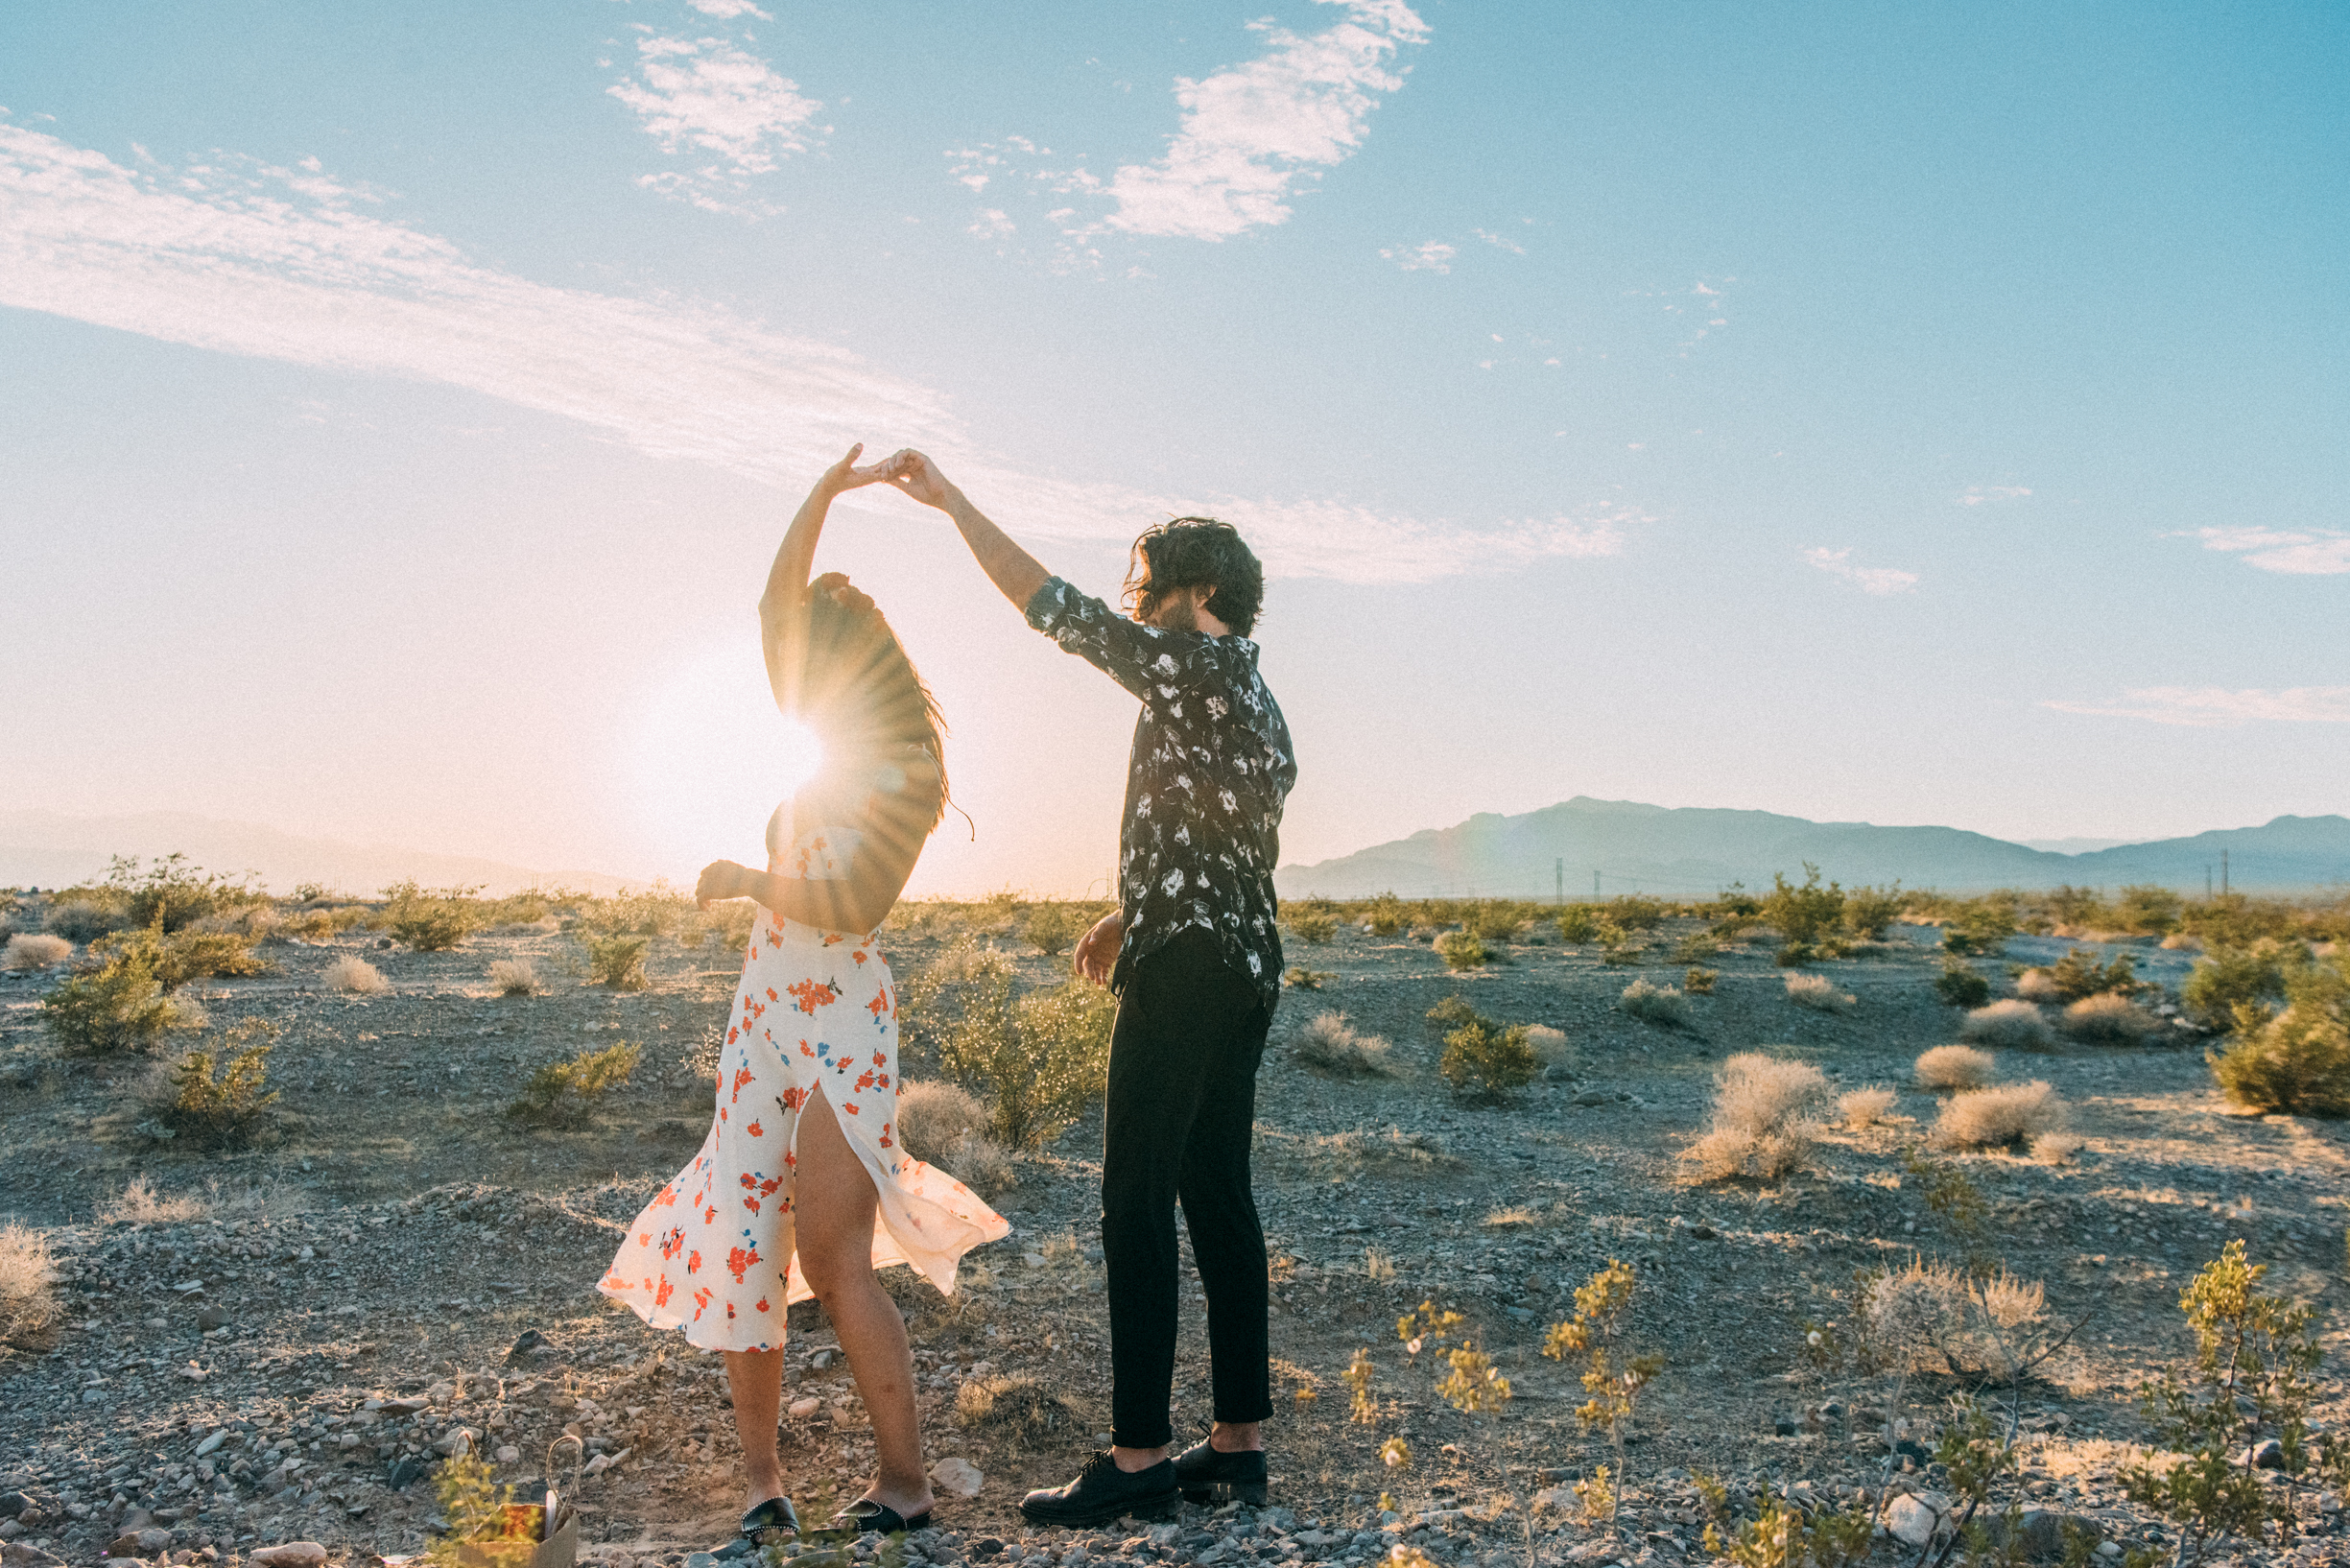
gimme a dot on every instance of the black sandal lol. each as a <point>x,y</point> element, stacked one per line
<point>867,1516</point>
<point>764,1525</point>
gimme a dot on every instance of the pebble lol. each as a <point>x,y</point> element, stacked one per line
<point>958,1476</point>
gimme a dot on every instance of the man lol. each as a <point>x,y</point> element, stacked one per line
<point>1196,960</point>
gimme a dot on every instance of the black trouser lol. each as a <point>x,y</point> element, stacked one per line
<point>1182,1106</point>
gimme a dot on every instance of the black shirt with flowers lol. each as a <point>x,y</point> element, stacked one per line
<point>1210,769</point>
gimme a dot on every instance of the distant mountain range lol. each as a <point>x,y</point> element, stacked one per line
<point>49,849</point>
<point>1696,852</point>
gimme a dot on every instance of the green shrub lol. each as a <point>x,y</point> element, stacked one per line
<point>1312,925</point>
<point>1051,928</point>
<point>1806,916</point>
<point>566,1093</point>
<point>1619,946</point>
<point>189,955</point>
<point>217,1102</point>
<point>1577,923</point>
<point>431,920</point>
<point>1979,928</point>
<point>617,961</point>
<point>2230,978</point>
<point>1958,984</point>
<point>1700,982</point>
<point>173,893</point>
<point>1038,1060</point>
<point>2077,975</point>
<point>1460,951</point>
<point>1451,1011</point>
<point>1484,1061</point>
<point>81,920</point>
<point>1299,978</point>
<point>2298,1060</point>
<point>1696,947</point>
<point>115,1008</point>
<point>1869,912</point>
<point>1386,916</point>
<point>655,911</point>
<point>2147,911</point>
<point>1494,920</point>
<point>1635,913</point>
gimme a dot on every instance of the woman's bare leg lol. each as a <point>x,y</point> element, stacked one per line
<point>756,1379</point>
<point>833,1207</point>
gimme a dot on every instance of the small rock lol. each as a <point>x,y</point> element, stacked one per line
<point>405,1473</point>
<point>1594,1097</point>
<point>958,1476</point>
<point>458,1441</point>
<point>1783,1426</point>
<point>12,1503</point>
<point>2266,1455</point>
<point>1555,1500</point>
<point>212,1443</point>
<point>799,1410</point>
<point>530,1342</point>
<point>213,1316</point>
<point>508,1453</point>
<point>17,1554</point>
<point>986,1546</point>
<point>288,1554</point>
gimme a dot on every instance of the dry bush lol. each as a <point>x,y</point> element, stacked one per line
<point>982,1164</point>
<point>932,1117</point>
<point>357,976</point>
<point>1911,1312</point>
<point>27,1304</point>
<point>1651,1004</point>
<point>1955,1067</point>
<point>2109,1019</point>
<point>2037,985</point>
<point>2008,1026</point>
<point>1866,1108</point>
<point>1051,928</point>
<point>1762,1123</point>
<point>1314,926</point>
<point>514,977</point>
<point>216,1101</point>
<point>2009,1113</point>
<point>1329,1046</point>
<point>80,921</point>
<point>1552,1045</point>
<point>33,952</point>
<point>1817,991</point>
<point>1015,1410</point>
<point>138,1203</point>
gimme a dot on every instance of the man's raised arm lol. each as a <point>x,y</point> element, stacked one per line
<point>1010,568</point>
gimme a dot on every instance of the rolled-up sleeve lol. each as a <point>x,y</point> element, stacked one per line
<point>1143,659</point>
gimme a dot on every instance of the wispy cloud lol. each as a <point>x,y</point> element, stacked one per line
<point>1501,241</point>
<point>722,109</point>
<point>1876,579</point>
<point>1982,495</point>
<point>1435,256</point>
<point>285,264</point>
<point>2215,706</point>
<point>726,11</point>
<point>2322,551</point>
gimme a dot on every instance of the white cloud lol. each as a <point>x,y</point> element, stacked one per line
<point>726,11</point>
<point>2318,552</point>
<point>2213,706</point>
<point>1435,256</point>
<point>991,223</point>
<point>726,109</point>
<point>229,256</point>
<point>1876,579</point>
<point>1978,495</point>
<point>1500,241</point>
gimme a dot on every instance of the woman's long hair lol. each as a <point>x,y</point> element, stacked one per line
<point>855,686</point>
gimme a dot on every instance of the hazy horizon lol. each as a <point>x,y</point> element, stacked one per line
<point>1904,418</point>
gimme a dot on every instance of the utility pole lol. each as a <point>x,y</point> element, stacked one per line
<point>2207,882</point>
<point>2223,873</point>
<point>1595,884</point>
<point>1561,869</point>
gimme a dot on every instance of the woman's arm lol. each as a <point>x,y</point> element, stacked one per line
<point>890,841</point>
<point>783,609</point>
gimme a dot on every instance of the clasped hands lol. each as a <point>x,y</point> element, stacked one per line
<point>904,469</point>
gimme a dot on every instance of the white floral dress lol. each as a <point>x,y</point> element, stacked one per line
<point>713,1254</point>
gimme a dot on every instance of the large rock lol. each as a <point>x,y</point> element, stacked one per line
<point>1916,1519</point>
<point>17,1554</point>
<point>288,1555</point>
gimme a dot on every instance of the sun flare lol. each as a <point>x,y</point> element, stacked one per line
<point>712,758</point>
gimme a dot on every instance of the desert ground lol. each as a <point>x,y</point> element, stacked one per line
<point>274,1344</point>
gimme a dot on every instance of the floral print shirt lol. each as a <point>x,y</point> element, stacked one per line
<point>1210,769</point>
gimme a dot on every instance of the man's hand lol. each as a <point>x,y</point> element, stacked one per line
<point>1097,951</point>
<point>845,475</point>
<point>919,478</point>
<point>721,880</point>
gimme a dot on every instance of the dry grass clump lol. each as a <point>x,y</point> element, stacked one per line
<point>932,1117</point>
<point>1328,1045</point>
<point>27,951</point>
<point>1651,1004</point>
<point>1955,1067</point>
<point>1861,1108</point>
<point>357,976</point>
<point>2109,1019</point>
<point>982,1164</point>
<point>27,1304</point>
<point>1762,1118</point>
<point>2008,1026</point>
<point>1817,991</point>
<point>139,1204</point>
<point>1553,1046</point>
<point>79,920</point>
<point>2038,985</point>
<point>1913,1311</point>
<point>1016,1410</point>
<point>2009,1113</point>
<point>514,977</point>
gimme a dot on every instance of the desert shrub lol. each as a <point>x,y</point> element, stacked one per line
<point>2008,1026</point>
<point>617,961</point>
<point>117,1006</point>
<point>1329,1046</point>
<point>2299,1060</point>
<point>2228,978</point>
<point>1014,1410</point>
<point>1051,928</point>
<point>82,920</point>
<point>1913,1311</point>
<point>1818,992</point>
<point>1859,1108</point>
<point>567,1093</point>
<point>934,1117</point>
<point>1870,911</point>
<point>1651,1004</point>
<point>1460,951</point>
<point>2077,975</point>
<point>1451,1013</point>
<point>431,920</point>
<point>654,911</point>
<point>1635,913</point>
<point>139,1204</point>
<point>1700,980</point>
<point>2005,1113</point>
<point>731,923</point>
<point>1697,946</point>
<point>33,952</point>
<point>1762,1118</point>
<point>1954,1068</point>
<point>1960,985</point>
<point>187,955</point>
<point>355,975</point>
<point>1619,945</point>
<point>1552,1045</point>
<point>1979,927</point>
<point>2108,1018</point>
<point>28,1297</point>
<point>173,893</point>
<point>514,977</point>
<point>1577,923</point>
<point>1298,978</point>
<point>2144,910</point>
<point>219,1102</point>
<point>1484,1061</point>
<point>1312,925</point>
<point>1494,920</point>
<point>1038,1058</point>
<point>1386,916</point>
<point>1806,917</point>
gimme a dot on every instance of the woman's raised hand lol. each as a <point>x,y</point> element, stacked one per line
<point>918,477</point>
<point>845,475</point>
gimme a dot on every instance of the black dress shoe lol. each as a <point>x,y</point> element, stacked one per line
<point>1103,1492</point>
<point>1207,1475</point>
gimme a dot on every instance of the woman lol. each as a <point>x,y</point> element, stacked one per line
<point>802,1187</point>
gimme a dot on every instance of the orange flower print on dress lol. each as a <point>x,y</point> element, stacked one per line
<point>814,994</point>
<point>673,1243</point>
<point>879,1007</point>
<point>692,1264</point>
<point>739,1261</point>
<point>702,1302</point>
<point>763,1303</point>
<point>662,1292</point>
<point>743,1078</point>
<point>754,1131</point>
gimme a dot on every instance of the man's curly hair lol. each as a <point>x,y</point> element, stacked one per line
<point>1196,553</point>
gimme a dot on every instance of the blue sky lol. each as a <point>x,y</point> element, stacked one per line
<point>1855,412</point>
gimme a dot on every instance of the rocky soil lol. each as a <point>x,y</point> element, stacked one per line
<point>397,1274</point>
